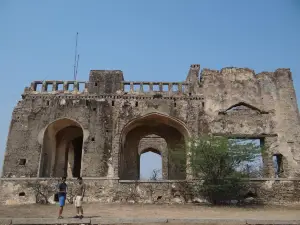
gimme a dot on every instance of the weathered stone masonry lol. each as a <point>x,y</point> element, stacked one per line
<point>98,129</point>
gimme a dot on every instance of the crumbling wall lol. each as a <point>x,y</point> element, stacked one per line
<point>232,102</point>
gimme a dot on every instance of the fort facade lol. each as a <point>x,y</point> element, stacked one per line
<point>99,129</point>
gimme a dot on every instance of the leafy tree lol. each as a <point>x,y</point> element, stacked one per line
<point>220,165</point>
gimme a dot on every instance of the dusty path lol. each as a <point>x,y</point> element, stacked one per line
<point>153,211</point>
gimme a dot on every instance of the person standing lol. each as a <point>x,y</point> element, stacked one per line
<point>79,194</point>
<point>62,194</point>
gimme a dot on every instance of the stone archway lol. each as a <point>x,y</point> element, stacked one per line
<point>170,129</point>
<point>62,149</point>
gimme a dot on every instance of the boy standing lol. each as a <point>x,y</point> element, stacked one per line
<point>79,194</point>
<point>62,194</point>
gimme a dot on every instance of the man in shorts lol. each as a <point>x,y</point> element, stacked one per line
<point>79,194</point>
<point>62,194</point>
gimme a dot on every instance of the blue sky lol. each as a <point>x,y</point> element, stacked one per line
<point>147,40</point>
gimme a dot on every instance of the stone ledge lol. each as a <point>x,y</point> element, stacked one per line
<point>50,221</point>
<point>128,220</point>
<point>5,221</point>
<point>208,221</point>
<point>99,220</point>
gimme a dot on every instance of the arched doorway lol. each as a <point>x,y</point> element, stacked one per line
<point>62,149</point>
<point>171,130</point>
<point>150,164</point>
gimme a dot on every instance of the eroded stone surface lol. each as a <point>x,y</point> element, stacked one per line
<point>100,127</point>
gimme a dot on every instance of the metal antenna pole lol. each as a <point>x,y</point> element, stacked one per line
<point>75,62</point>
<point>77,67</point>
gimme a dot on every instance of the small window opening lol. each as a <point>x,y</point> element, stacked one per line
<point>190,94</point>
<point>96,84</point>
<point>174,104</point>
<point>278,165</point>
<point>126,87</point>
<point>165,87</point>
<point>70,87</point>
<point>81,87</point>
<point>21,194</point>
<point>48,102</point>
<point>22,162</point>
<point>159,197</point>
<point>92,139</point>
<point>155,87</point>
<point>87,102</point>
<point>38,87</point>
<point>202,104</point>
<point>136,87</point>
<point>106,130</point>
<point>113,103</point>
<point>175,87</point>
<point>146,88</point>
<point>136,104</point>
<point>60,87</point>
<point>49,87</point>
<point>94,109</point>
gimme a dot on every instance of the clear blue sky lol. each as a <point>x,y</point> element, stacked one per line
<point>148,40</point>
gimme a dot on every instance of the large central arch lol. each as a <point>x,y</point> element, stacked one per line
<point>62,149</point>
<point>172,130</point>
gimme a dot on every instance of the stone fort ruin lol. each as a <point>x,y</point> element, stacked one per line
<point>99,129</point>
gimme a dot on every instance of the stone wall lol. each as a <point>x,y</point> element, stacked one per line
<point>21,191</point>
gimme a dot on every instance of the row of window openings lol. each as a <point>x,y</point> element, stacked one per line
<point>60,87</point>
<point>136,104</point>
<point>146,87</point>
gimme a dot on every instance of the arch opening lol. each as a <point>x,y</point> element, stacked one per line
<point>62,149</point>
<point>155,133</point>
<point>150,164</point>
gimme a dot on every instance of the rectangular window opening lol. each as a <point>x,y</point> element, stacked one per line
<point>126,87</point>
<point>38,87</point>
<point>70,87</point>
<point>136,104</point>
<point>165,87</point>
<point>175,87</point>
<point>81,87</point>
<point>60,87</point>
<point>146,88</point>
<point>254,167</point>
<point>278,165</point>
<point>155,87</point>
<point>136,87</point>
<point>183,88</point>
<point>22,162</point>
<point>113,103</point>
<point>49,87</point>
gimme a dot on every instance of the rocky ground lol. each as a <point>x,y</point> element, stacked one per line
<point>154,211</point>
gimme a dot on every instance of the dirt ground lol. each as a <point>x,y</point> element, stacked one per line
<point>152,211</point>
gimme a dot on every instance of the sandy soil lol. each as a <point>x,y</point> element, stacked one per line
<point>152,211</point>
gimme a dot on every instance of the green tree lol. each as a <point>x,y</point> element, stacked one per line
<point>220,165</point>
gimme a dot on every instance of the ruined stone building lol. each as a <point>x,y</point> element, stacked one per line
<point>98,129</point>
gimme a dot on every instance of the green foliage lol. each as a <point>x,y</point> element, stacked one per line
<point>220,164</point>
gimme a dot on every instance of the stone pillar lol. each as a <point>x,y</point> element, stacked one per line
<point>141,87</point>
<point>44,87</point>
<point>131,87</point>
<point>54,86</point>
<point>267,155</point>
<point>151,87</point>
<point>160,87</point>
<point>76,86</point>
